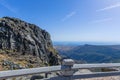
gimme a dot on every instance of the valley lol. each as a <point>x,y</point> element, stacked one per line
<point>91,53</point>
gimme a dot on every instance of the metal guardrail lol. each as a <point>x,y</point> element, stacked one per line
<point>87,75</point>
<point>66,67</point>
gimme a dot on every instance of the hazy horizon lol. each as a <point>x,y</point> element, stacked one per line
<point>84,43</point>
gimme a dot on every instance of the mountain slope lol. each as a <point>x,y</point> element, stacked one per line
<point>92,53</point>
<point>22,38</point>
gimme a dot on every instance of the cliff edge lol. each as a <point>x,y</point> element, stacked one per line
<point>18,37</point>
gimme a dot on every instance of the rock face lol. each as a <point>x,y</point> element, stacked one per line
<point>25,38</point>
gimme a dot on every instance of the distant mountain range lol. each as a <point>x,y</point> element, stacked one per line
<point>77,43</point>
<point>91,53</point>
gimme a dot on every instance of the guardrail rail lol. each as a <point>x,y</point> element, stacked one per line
<point>67,70</point>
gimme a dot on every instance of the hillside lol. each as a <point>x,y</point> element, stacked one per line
<point>91,53</point>
<point>23,43</point>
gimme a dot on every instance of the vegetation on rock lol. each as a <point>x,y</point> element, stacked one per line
<point>26,43</point>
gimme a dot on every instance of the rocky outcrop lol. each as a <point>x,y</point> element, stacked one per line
<point>27,39</point>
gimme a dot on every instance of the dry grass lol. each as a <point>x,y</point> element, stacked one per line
<point>22,63</point>
<point>4,57</point>
<point>1,68</point>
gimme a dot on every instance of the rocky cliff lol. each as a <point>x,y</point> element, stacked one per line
<point>22,38</point>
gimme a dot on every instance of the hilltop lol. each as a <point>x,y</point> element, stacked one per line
<point>23,43</point>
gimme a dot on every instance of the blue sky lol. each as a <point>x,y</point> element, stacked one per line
<point>69,20</point>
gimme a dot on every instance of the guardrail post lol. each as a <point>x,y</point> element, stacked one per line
<point>46,75</point>
<point>67,64</point>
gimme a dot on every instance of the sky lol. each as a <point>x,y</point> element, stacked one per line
<point>69,20</point>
